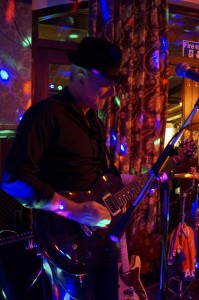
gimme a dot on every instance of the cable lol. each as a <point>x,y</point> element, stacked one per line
<point>6,36</point>
<point>25,40</point>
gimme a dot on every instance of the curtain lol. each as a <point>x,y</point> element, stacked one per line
<point>136,118</point>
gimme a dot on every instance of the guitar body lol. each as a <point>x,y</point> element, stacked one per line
<point>130,285</point>
<point>66,243</point>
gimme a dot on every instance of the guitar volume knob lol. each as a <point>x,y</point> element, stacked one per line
<point>74,246</point>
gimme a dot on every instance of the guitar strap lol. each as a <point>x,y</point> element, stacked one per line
<point>111,163</point>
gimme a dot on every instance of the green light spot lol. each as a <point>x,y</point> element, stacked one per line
<point>117,100</point>
<point>73,36</point>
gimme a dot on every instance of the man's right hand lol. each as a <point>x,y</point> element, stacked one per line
<point>88,213</point>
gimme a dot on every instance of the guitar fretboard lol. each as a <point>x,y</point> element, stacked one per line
<point>132,190</point>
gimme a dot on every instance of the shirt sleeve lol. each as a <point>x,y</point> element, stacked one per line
<point>20,177</point>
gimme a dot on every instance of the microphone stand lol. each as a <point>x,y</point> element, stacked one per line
<point>158,167</point>
<point>164,215</point>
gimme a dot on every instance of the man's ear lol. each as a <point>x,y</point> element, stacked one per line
<point>81,77</point>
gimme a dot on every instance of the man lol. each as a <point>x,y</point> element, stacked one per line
<point>60,146</point>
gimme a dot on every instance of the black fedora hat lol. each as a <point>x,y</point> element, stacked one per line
<point>98,55</point>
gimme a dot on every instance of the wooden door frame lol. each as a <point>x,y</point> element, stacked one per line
<point>45,52</point>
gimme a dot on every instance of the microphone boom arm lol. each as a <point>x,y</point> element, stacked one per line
<point>184,70</point>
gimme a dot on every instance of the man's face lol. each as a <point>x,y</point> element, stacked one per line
<point>97,89</point>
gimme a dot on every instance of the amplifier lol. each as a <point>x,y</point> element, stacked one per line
<point>20,267</point>
<point>13,216</point>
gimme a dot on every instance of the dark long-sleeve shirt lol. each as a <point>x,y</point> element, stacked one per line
<point>54,150</point>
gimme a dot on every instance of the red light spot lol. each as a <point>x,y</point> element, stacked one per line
<point>10,12</point>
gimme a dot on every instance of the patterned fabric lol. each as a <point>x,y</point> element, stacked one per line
<point>136,119</point>
<point>183,247</point>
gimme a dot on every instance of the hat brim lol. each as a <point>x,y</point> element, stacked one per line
<point>74,59</point>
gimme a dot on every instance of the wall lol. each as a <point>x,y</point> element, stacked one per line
<point>15,27</point>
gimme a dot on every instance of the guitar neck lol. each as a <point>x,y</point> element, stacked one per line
<point>124,254</point>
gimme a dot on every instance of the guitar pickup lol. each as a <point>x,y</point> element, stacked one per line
<point>112,206</point>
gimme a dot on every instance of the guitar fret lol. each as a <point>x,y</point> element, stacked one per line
<point>129,192</point>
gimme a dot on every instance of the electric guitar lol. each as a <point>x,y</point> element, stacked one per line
<point>77,248</point>
<point>130,285</point>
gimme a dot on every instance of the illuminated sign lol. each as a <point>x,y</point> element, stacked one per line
<point>190,49</point>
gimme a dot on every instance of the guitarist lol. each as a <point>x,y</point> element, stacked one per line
<point>60,146</point>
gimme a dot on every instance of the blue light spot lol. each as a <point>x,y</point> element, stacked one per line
<point>106,13</point>
<point>164,44</point>
<point>64,73</point>
<point>18,189</point>
<point>61,252</point>
<point>4,75</point>
<point>158,123</point>
<point>20,118</point>
<point>114,138</point>
<point>176,16</point>
<point>187,30</point>
<point>61,206</point>
<point>156,59</point>
<point>123,149</point>
<point>179,23</point>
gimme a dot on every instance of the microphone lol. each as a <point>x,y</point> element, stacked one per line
<point>184,70</point>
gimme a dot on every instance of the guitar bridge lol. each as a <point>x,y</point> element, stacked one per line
<point>88,230</point>
<point>111,205</point>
